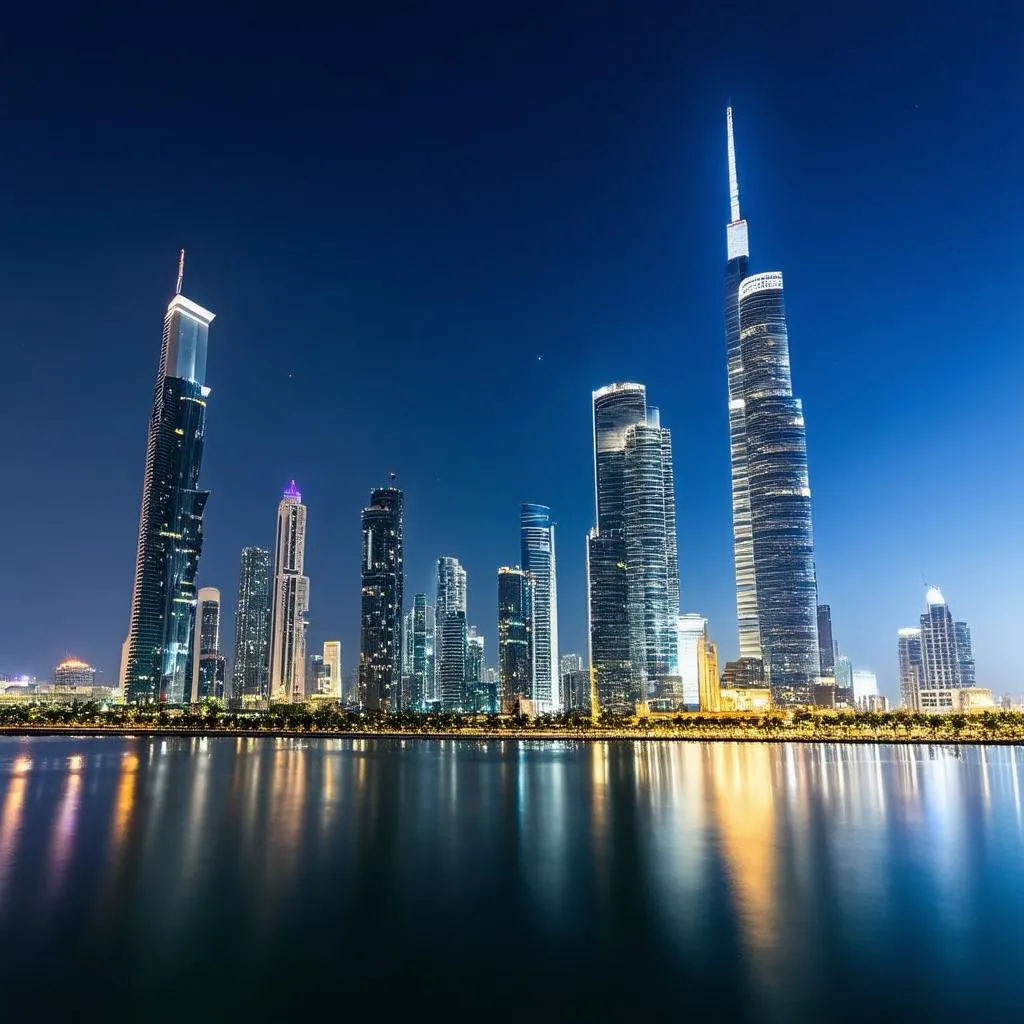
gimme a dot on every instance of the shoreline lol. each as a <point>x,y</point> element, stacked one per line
<point>491,736</point>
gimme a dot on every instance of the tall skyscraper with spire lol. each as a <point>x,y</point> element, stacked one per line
<point>160,626</point>
<point>381,598</point>
<point>450,633</point>
<point>737,267</point>
<point>775,572</point>
<point>290,606</point>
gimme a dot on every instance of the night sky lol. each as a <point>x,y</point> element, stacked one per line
<point>429,234</point>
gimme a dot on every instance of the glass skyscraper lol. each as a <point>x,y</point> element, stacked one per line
<point>161,621</point>
<point>939,656</point>
<point>515,637</point>
<point>737,268</point>
<point>383,576</point>
<point>252,626</point>
<point>207,663</point>
<point>537,534</point>
<point>450,637</point>
<point>826,645</point>
<point>289,609</point>
<point>780,496</point>
<point>418,663</point>
<point>964,653</point>
<point>911,668</point>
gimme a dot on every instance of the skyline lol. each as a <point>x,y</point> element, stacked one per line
<point>847,466</point>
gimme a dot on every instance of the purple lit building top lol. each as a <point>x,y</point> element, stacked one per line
<point>291,491</point>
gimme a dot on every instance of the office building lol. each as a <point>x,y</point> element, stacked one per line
<point>73,676</point>
<point>844,682</point>
<point>252,627</point>
<point>206,662</point>
<point>418,663</point>
<point>381,598</point>
<point>826,645</point>
<point>743,674</point>
<point>317,675</point>
<point>691,632</point>
<point>737,268</point>
<point>290,601</point>
<point>331,686</point>
<point>162,616</point>
<point>956,698</point>
<point>576,690</point>
<point>537,536</point>
<point>911,667</point>
<point>476,698</point>
<point>515,637</point>
<point>450,638</point>
<point>569,663</point>
<point>939,656</point>
<point>865,684</point>
<point>709,686</point>
<point>964,654</point>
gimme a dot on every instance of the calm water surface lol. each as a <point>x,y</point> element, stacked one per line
<point>146,879</point>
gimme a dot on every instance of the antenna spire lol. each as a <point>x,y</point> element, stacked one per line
<point>181,269</point>
<point>734,184</point>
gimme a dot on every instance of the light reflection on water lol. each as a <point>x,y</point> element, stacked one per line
<point>744,881</point>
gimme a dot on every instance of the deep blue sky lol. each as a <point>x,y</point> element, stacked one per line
<point>429,234</point>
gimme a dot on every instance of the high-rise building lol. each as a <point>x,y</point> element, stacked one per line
<point>939,655</point>
<point>826,645</point>
<point>737,268</point>
<point>515,637</point>
<point>865,684</point>
<point>691,632</point>
<point>450,638</point>
<point>331,686</point>
<point>252,626</point>
<point>162,614</point>
<point>964,654</point>
<point>74,676</point>
<point>844,696</point>
<point>708,682</point>
<point>206,662</point>
<point>418,662</point>
<point>570,663</point>
<point>780,496</point>
<point>380,635</point>
<point>911,668</point>
<point>476,687</point>
<point>537,534</point>
<point>632,557</point>
<point>290,605</point>
<point>576,688</point>
<point>317,675</point>
<point>652,563</point>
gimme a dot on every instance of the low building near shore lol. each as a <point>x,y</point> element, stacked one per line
<point>966,698</point>
<point>746,698</point>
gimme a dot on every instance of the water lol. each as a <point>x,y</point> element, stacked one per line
<point>763,882</point>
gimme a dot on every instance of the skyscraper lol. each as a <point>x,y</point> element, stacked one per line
<point>939,656</point>
<point>652,563</point>
<point>632,558</point>
<point>317,674</point>
<point>515,637</point>
<point>476,692</point>
<point>290,604</point>
<point>571,662</point>
<point>964,653</point>
<point>537,534</point>
<point>865,685</point>
<point>737,267</point>
<point>450,637</point>
<point>844,682</point>
<point>826,645</point>
<point>418,663</point>
<point>691,630</point>
<point>72,676</point>
<point>380,635</point>
<point>207,663</point>
<point>332,662</point>
<point>708,683</point>
<point>252,626</point>
<point>162,613</point>
<point>911,668</point>
<point>780,496</point>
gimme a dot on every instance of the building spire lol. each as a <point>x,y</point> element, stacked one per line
<point>181,258</point>
<point>734,184</point>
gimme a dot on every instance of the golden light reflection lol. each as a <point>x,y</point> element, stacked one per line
<point>11,820</point>
<point>65,826</point>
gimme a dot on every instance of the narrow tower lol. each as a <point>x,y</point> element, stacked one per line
<point>737,267</point>
<point>160,626</point>
<point>290,605</point>
<point>252,626</point>
<point>537,535</point>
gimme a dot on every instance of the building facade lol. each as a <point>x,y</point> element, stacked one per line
<point>515,637</point>
<point>476,698</point>
<point>537,536</point>
<point>911,667</point>
<point>450,643</point>
<point>418,664</point>
<point>710,690</point>
<point>826,645</point>
<point>692,633</point>
<point>332,662</point>
<point>162,615</point>
<point>381,597</point>
<point>72,676</point>
<point>964,654</point>
<point>939,656</point>
<point>780,496</point>
<point>290,602</point>
<point>207,663</point>
<point>249,673</point>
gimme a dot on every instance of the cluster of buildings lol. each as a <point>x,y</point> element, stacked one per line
<point>425,654</point>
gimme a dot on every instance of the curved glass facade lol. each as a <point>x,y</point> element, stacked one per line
<point>515,637</point>
<point>780,495</point>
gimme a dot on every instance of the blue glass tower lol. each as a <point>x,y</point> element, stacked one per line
<point>537,533</point>
<point>160,625</point>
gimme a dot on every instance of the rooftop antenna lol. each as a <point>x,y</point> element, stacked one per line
<point>734,183</point>
<point>392,477</point>
<point>181,271</point>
